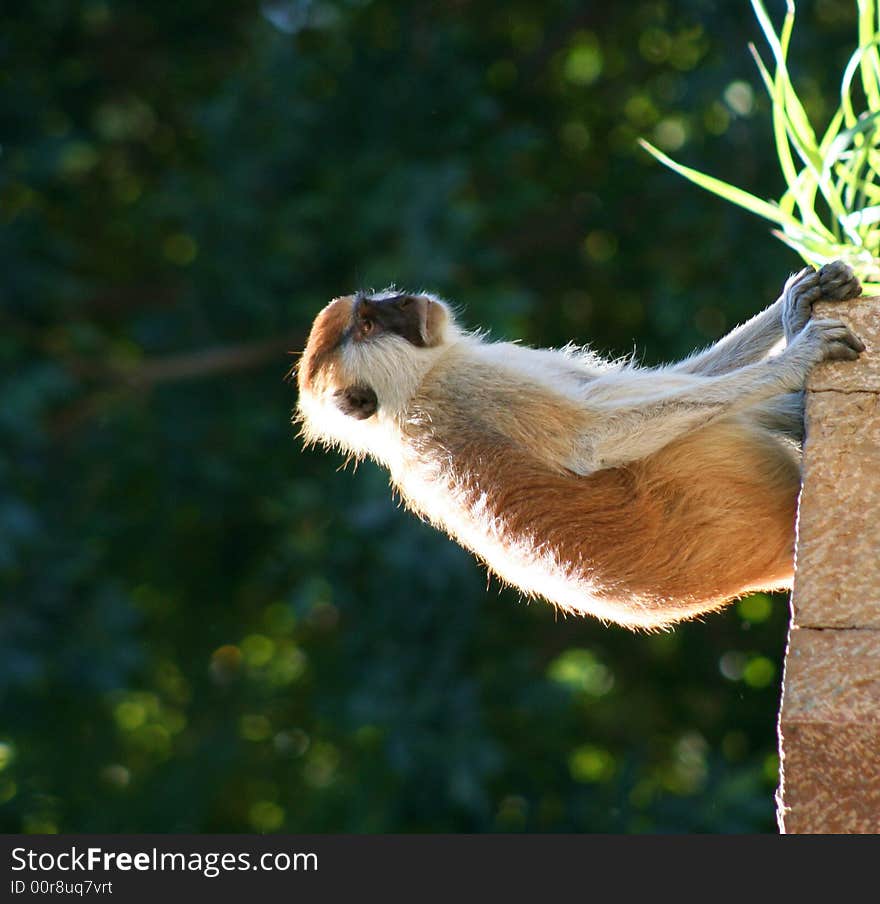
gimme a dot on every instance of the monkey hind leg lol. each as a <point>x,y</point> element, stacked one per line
<point>730,499</point>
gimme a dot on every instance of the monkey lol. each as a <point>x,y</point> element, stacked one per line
<point>643,496</point>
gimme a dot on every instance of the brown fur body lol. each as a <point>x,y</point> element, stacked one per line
<point>727,494</point>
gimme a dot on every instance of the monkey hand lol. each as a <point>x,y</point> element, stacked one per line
<point>833,282</point>
<point>827,340</point>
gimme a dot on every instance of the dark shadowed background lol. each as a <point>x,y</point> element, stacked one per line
<point>204,628</point>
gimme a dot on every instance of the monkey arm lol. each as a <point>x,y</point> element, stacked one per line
<point>749,342</point>
<point>632,414</point>
<point>785,318</point>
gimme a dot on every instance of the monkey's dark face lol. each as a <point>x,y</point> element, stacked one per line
<point>355,355</point>
<point>397,315</point>
<point>374,317</point>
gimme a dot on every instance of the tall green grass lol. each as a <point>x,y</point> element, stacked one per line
<point>831,206</point>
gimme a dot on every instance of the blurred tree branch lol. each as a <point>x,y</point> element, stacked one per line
<point>117,380</point>
<point>206,362</point>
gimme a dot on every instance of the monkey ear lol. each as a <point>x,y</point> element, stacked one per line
<point>357,401</point>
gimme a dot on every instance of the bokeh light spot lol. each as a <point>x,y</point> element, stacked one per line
<point>254,727</point>
<point>671,133</point>
<point>759,672</point>
<point>257,649</point>
<point>601,245</point>
<point>266,816</point>
<point>580,670</point>
<point>130,714</point>
<point>589,763</point>
<point>740,97</point>
<point>225,663</point>
<point>584,61</point>
<point>755,608</point>
<point>180,248</point>
<point>7,754</point>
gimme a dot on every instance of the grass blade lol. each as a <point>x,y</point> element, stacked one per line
<point>770,210</point>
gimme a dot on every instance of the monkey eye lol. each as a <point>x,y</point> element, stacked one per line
<point>367,326</point>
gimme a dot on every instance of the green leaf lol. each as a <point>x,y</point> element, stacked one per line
<point>767,209</point>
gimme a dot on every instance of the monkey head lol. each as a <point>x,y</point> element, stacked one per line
<point>365,358</point>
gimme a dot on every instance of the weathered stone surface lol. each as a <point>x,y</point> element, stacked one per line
<point>829,725</point>
<point>832,779</point>
<point>830,732</point>
<point>837,583</point>
<point>821,684</point>
<point>862,316</point>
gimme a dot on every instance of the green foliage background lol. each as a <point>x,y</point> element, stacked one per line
<point>204,628</point>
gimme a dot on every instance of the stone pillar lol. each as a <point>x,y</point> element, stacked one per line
<point>829,722</point>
